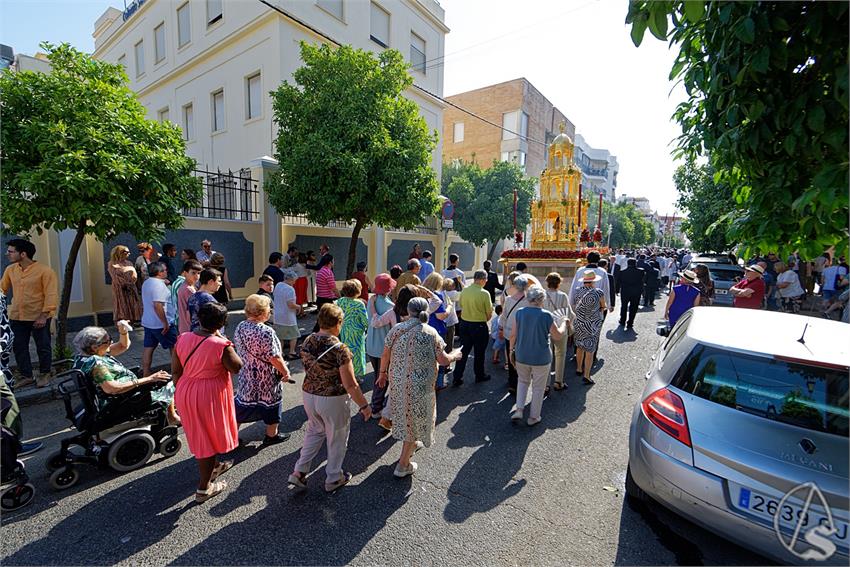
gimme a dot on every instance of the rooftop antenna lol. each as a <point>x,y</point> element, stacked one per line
<point>802,339</point>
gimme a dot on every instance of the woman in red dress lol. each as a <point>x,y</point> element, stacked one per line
<point>201,364</point>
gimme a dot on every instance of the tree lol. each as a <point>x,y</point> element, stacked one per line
<point>350,146</point>
<point>705,203</point>
<point>767,86</point>
<point>628,227</point>
<point>484,201</point>
<point>78,153</point>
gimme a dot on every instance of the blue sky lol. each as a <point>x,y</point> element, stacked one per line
<point>576,52</point>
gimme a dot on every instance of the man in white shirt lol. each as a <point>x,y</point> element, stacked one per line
<point>158,315</point>
<point>592,264</point>
<point>453,272</point>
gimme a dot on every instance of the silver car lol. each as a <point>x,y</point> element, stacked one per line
<point>723,273</point>
<point>743,429</point>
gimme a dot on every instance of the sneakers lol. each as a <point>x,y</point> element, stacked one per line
<point>401,472</point>
<point>330,487</point>
<point>298,480</point>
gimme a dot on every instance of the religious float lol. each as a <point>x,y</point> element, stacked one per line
<point>560,236</point>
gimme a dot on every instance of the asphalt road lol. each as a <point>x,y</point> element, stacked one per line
<point>487,492</point>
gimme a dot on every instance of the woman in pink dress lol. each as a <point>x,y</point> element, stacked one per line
<point>201,364</point>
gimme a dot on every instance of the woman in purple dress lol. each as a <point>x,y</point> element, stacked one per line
<point>684,296</point>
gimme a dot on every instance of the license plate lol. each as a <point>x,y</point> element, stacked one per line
<point>790,513</point>
<point>720,291</point>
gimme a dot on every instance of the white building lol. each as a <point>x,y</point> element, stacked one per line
<point>599,169</point>
<point>209,65</point>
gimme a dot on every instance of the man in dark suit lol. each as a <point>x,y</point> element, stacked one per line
<point>651,283</point>
<point>612,290</point>
<point>492,281</point>
<point>631,288</point>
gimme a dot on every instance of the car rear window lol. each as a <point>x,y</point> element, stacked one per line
<point>808,396</point>
<point>724,274</point>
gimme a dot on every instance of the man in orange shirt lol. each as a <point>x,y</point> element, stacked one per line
<point>34,302</point>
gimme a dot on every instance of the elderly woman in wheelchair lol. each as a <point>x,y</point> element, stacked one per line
<point>122,419</point>
<point>96,360</point>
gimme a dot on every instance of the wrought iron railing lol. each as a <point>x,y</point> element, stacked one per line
<point>228,196</point>
<point>429,227</point>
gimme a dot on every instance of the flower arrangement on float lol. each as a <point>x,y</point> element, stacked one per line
<point>534,254</point>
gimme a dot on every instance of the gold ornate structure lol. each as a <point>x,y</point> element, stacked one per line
<point>558,217</point>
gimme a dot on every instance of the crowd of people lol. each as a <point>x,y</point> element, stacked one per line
<point>400,326</point>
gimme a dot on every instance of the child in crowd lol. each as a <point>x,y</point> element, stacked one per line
<point>498,343</point>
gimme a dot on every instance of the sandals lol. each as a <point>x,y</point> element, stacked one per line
<point>220,469</point>
<point>214,489</point>
<point>588,381</point>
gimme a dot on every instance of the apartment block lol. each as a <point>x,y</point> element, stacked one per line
<point>599,169</point>
<point>529,119</point>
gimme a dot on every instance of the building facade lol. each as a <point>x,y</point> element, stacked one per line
<point>208,66</point>
<point>529,121</point>
<point>599,169</point>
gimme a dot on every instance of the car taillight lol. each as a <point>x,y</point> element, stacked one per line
<point>666,410</point>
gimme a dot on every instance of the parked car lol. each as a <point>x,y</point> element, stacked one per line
<point>724,274</point>
<point>741,408</point>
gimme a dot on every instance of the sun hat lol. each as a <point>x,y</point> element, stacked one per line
<point>589,276</point>
<point>689,275</point>
<point>384,284</point>
<point>755,268</point>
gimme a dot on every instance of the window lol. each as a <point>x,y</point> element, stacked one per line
<point>213,11</point>
<point>188,122</point>
<point>159,43</point>
<point>506,156</point>
<point>254,98</point>
<point>807,395</point>
<point>123,62</point>
<point>380,26</point>
<point>522,160</point>
<point>162,115</point>
<point>184,26</point>
<point>509,122</point>
<point>140,58</point>
<point>218,111</point>
<point>332,7</point>
<point>523,126</point>
<point>417,52</point>
<point>458,132</point>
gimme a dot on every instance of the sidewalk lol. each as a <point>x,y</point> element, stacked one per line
<point>133,356</point>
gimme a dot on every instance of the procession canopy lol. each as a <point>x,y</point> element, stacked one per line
<point>558,216</point>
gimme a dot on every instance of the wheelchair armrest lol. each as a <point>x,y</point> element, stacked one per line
<point>137,370</point>
<point>69,385</point>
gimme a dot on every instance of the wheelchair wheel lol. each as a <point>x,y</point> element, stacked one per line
<point>55,461</point>
<point>130,452</point>
<point>64,478</point>
<point>16,497</point>
<point>170,446</point>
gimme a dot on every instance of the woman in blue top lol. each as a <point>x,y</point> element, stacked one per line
<point>379,303</point>
<point>532,351</point>
<point>683,297</point>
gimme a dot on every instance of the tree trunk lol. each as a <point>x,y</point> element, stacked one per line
<point>490,248</point>
<point>352,248</point>
<point>67,282</point>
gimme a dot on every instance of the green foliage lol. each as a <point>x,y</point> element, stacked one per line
<point>350,146</point>
<point>78,152</point>
<point>628,227</point>
<point>484,200</point>
<point>706,204</point>
<point>767,86</point>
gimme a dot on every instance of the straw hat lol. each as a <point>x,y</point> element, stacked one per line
<point>383,284</point>
<point>590,276</point>
<point>689,276</point>
<point>755,268</point>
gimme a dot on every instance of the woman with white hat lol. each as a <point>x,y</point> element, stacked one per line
<point>588,304</point>
<point>684,296</point>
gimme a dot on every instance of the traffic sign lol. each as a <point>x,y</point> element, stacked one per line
<point>448,223</point>
<point>448,210</point>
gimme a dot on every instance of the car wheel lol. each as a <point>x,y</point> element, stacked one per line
<point>634,491</point>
